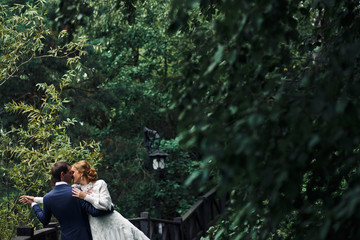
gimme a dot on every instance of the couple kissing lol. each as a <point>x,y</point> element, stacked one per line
<point>85,212</point>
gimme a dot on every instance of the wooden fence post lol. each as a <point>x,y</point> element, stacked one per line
<point>25,232</point>
<point>145,224</point>
<point>203,213</point>
<point>178,231</point>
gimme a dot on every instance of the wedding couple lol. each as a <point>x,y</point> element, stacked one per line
<point>85,213</point>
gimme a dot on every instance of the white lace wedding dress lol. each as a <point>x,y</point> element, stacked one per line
<point>112,226</point>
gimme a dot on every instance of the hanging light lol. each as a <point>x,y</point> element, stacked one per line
<point>158,159</point>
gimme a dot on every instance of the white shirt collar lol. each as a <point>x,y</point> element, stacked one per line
<point>60,183</point>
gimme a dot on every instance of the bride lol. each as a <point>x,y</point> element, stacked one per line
<point>113,226</point>
<point>110,227</point>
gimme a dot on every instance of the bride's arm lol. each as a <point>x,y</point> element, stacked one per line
<point>32,198</point>
<point>100,197</point>
<point>38,199</point>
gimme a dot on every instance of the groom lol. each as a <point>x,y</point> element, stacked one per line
<point>70,211</point>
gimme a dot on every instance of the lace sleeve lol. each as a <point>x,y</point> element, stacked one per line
<point>38,199</point>
<point>99,196</point>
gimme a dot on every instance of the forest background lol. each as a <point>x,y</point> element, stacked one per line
<point>259,97</point>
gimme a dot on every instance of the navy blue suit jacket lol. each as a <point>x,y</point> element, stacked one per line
<point>71,212</point>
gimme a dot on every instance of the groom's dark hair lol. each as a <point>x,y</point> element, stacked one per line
<point>57,169</point>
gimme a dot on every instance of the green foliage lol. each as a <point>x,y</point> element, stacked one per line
<point>270,96</point>
<point>25,38</point>
<point>113,91</point>
<point>22,30</point>
<point>34,137</point>
<point>29,152</point>
<point>122,87</point>
<point>175,198</point>
<point>135,184</point>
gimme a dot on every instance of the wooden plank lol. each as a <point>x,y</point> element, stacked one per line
<point>22,238</point>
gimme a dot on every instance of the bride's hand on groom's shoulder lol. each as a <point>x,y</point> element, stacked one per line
<point>26,199</point>
<point>78,193</point>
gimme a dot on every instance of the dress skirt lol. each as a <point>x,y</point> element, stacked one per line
<point>114,227</point>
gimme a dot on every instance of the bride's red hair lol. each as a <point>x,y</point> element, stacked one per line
<point>85,168</point>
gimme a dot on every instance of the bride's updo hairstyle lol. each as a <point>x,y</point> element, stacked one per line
<point>87,171</point>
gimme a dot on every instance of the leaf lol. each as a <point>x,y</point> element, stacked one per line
<point>216,59</point>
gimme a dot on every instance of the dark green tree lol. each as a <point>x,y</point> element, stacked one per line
<point>120,88</point>
<point>269,95</point>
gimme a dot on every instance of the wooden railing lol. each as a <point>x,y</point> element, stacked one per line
<point>50,232</point>
<point>191,226</point>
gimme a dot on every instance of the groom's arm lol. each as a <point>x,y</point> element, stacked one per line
<point>93,211</point>
<point>44,215</point>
